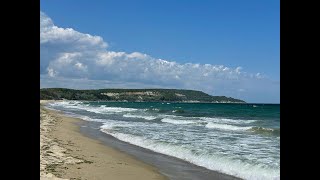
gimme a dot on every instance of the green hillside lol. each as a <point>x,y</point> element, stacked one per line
<point>149,95</point>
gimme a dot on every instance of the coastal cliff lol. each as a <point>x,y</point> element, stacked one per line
<point>134,95</point>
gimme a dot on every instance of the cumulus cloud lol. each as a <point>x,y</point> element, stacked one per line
<point>69,55</point>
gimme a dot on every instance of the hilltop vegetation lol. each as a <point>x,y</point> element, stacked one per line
<point>134,95</point>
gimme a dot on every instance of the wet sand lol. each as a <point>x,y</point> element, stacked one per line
<point>66,154</point>
<point>87,153</point>
<point>173,168</point>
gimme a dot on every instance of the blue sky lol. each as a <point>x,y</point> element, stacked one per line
<point>231,33</point>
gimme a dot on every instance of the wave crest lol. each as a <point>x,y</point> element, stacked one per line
<point>175,121</point>
<point>212,125</point>
<point>140,116</point>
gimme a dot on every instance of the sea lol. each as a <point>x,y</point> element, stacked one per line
<point>241,140</point>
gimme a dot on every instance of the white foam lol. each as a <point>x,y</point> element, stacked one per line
<point>67,104</point>
<point>86,118</point>
<point>225,120</point>
<point>213,162</point>
<point>98,109</point>
<point>177,117</point>
<point>111,124</point>
<point>140,116</point>
<point>107,126</point>
<point>152,109</point>
<point>108,110</point>
<point>212,125</point>
<point>175,121</point>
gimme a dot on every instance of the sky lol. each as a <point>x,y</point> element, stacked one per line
<point>225,47</point>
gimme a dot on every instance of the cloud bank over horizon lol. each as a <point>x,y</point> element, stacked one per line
<point>72,59</point>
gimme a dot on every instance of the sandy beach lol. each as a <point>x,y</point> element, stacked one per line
<point>67,154</point>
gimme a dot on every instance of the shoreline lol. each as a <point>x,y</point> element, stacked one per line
<point>186,102</point>
<point>167,165</point>
<point>171,167</point>
<point>67,154</point>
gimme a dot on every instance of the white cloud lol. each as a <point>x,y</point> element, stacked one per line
<point>68,54</point>
<point>51,72</point>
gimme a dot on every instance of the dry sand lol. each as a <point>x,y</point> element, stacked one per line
<point>67,154</point>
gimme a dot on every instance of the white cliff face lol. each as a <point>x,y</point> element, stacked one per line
<point>147,93</point>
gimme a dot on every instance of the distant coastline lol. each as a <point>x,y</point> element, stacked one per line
<point>135,95</point>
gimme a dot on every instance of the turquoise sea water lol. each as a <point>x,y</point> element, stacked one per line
<point>237,139</point>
